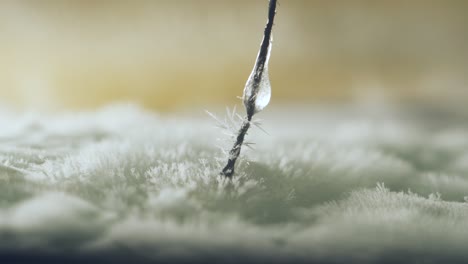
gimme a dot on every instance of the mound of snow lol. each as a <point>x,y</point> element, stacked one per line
<point>125,184</point>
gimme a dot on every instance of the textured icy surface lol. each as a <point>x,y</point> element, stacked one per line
<point>129,185</point>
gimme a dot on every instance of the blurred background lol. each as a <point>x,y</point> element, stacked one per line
<point>173,54</point>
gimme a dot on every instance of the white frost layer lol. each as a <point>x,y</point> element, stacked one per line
<point>122,177</point>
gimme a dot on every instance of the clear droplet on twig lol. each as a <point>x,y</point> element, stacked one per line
<point>258,91</point>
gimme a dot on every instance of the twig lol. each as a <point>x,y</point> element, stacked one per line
<point>251,91</point>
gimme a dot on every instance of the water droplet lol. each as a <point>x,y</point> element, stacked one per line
<point>264,92</point>
<point>258,92</point>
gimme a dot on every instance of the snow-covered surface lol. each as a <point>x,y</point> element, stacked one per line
<point>343,185</point>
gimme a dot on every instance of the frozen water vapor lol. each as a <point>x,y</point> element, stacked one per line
<point>124,185</point>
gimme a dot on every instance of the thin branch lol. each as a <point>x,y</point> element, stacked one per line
<point>261,59</point>
<point>249,103</point>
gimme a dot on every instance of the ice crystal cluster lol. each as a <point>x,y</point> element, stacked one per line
<point>326,186</point>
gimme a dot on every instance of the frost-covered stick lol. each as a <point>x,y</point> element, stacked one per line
<point>257,91</point>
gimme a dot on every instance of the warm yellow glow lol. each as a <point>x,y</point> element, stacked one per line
<point>172,54</point>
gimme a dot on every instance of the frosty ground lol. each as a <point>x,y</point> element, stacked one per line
<point>336,184</point>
